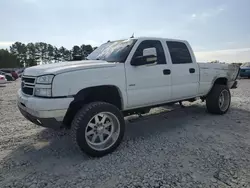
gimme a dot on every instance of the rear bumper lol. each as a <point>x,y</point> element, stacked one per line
<point>3,82</point>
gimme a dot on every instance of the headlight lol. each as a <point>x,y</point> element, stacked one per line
<point>46,79</point>
<point>43,92</point>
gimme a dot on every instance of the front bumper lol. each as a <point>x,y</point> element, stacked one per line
<point>46,112</point>
<point>44,122</point>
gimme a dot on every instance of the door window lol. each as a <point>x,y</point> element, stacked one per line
<point>179,52</point>
<point>151,44</point>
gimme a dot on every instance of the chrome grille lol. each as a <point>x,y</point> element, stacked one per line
<point>28,80</point>
<point>28,85</point>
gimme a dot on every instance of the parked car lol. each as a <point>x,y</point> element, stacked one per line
<point>12,72</point>
<point>14,75</point>
<point>120,78</point>
<point>3,80</point>
<point>245,70</point>
<point>8,76</point>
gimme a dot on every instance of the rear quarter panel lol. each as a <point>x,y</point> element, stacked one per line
<point>209,72</point>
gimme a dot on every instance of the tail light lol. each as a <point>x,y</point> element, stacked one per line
<point>1,78</point>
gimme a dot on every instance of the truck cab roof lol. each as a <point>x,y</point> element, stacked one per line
<point>153,38</point>
<point>159,38</point>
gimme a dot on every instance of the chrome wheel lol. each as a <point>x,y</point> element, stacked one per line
<point>224,100</point>
<point>102,131</point>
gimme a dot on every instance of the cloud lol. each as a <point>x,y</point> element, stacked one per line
<point>229,55</point>
<point>193,15</point>
<point>203,16</point>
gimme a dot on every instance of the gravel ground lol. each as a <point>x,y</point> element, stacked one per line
<point>174,147</point>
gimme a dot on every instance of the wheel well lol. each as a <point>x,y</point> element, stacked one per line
<point>221,81</point>
<point>218,81</point>
<point>107,93</point>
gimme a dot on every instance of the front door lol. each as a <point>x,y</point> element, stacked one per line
<point>148,84</point>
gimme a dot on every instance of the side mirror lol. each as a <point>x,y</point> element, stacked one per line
<point>149,57</point>
<point>149,52</point>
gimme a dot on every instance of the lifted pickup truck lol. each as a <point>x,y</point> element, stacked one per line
<point>91,97</point>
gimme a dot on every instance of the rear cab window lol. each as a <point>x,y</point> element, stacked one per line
<point>179,52</point>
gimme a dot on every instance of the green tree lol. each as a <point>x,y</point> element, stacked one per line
<point>76,52</point>
<point>41,52</point>
<point>8,60</point>
<point>19,50</point>
<point>83,51</point>
<point>42,49</point>
<point>62,52</point>
<point>215,61</point>
<point>51,53</point>
<point>86,50</point>
<point>57,55</point>
<point>32,55</point>
<point>67,55</point>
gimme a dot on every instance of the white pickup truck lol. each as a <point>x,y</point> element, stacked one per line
<point>91,97</point>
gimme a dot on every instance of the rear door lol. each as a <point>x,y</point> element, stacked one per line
<point>148,84</point>
<point>185,71</point>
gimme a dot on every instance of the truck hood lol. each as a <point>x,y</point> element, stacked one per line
<point>57,68</point>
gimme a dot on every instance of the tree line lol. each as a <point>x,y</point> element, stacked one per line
<point>31,54</point>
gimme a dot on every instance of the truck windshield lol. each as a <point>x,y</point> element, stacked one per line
<point>115,51</point>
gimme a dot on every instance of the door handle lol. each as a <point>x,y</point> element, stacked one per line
<point>192,70</point>
<point>166,72</point>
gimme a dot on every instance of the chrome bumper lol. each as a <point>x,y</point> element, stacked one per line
<point>44,122</point>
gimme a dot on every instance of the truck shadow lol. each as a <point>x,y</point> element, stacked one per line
<point>52,149</point>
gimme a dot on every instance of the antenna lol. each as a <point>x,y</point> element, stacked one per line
<point>132,35</point>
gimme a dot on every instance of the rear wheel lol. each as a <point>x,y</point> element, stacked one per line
<point>98,128</point>
<point>218,100</point>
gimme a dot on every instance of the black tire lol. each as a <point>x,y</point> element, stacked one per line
<point>81,120</point>
<point>212,100</point>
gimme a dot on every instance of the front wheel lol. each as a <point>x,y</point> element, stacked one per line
<point>218,100</point>
<point>98,128</point>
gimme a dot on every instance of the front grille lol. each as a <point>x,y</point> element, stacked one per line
<point>28,80</point>
<point>28,85</point>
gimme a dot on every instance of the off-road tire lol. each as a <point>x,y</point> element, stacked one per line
<point>212,99</point>
<point>81,120</point>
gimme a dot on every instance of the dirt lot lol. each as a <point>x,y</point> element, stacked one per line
<point>175,148</point>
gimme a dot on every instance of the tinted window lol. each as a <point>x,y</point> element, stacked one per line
<point>179,53</point>
<point>151,44</point>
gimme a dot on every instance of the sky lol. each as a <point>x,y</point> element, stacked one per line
<point>216,29</point>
